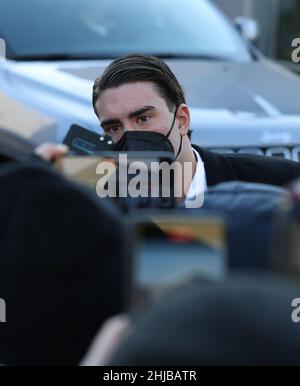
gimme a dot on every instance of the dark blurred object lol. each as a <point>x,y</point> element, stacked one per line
<point>82,141</point>
<point>250,210</point>
<point>13,147</point>
<point>62,266</point>
<point>286,254</point>
<point>245,320</point>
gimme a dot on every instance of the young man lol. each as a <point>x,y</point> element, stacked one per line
<point>140,103</point>
<point>140,93</point>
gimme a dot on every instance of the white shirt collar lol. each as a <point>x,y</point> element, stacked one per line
<point>199,184</point>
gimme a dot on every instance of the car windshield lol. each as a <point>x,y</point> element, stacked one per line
<point>41,29</point>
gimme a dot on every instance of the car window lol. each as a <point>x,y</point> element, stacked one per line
<point>109,28</point>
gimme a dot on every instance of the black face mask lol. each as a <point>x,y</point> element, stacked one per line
<point>147,141</point>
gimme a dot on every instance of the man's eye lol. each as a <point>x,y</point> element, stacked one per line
<point>114,129</point>
<point>144,118</point>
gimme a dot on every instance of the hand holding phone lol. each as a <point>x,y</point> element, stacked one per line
<point>82,141</point>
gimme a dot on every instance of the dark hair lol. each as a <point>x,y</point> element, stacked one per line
<point>136,68</point>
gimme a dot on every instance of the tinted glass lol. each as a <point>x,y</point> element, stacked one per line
<point>108,28</point>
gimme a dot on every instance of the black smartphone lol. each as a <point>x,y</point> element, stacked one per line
<point>82,141</point>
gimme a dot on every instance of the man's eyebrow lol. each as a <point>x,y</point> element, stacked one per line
<point>109,122</point>
<point>141,111</point>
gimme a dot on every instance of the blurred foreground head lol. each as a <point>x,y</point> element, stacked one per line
<point>61,266</point>
<point>244,321</point>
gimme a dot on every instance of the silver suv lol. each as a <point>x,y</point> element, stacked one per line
<point>239,100</point>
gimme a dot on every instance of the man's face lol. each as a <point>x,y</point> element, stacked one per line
<point>136,107</point>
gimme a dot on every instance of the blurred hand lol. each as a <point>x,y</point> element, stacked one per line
<point>110,336</point>
<point>51,151</point>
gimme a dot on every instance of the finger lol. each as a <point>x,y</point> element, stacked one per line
<point>51,151</point>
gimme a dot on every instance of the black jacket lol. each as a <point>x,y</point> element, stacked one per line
<point>248,168</point>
